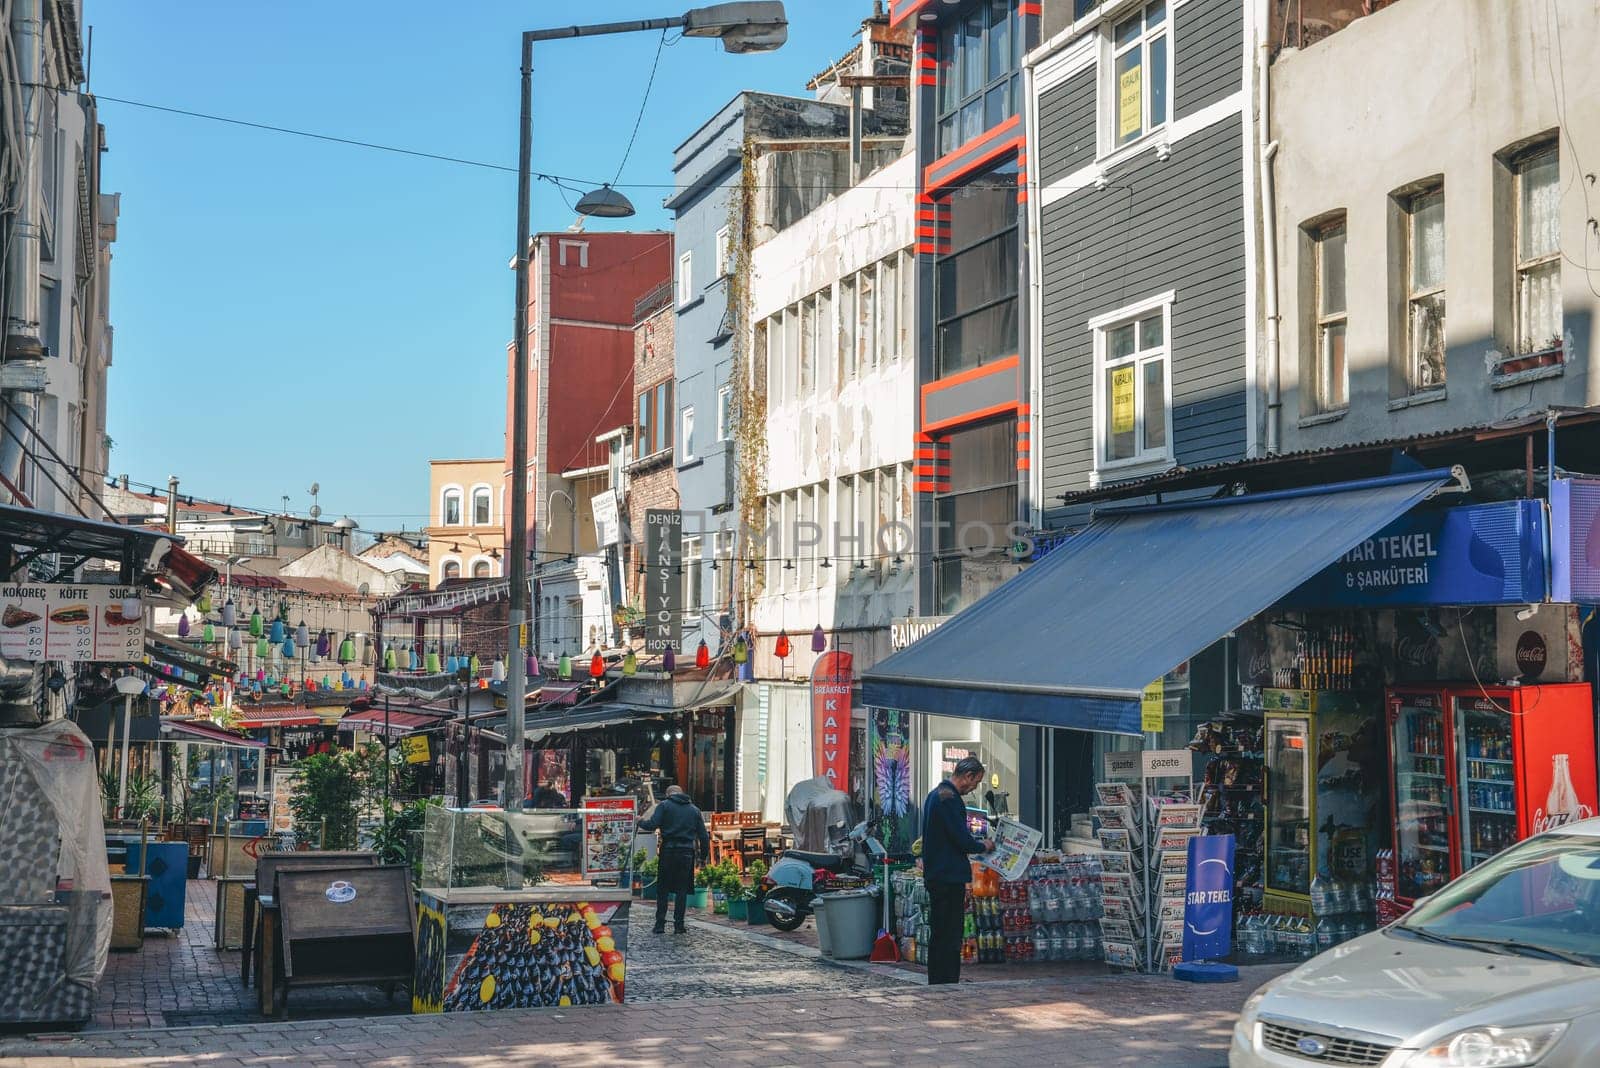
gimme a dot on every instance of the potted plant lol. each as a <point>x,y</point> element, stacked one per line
<point>649,870</point>
<point>755,914</point>
<point>702,887</point>
<point>638,872</point>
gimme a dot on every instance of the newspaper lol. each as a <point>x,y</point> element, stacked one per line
<point>1014,844</point>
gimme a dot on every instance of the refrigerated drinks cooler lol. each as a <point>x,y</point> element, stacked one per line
<point>1324,753</point>
<point>1475,769</point>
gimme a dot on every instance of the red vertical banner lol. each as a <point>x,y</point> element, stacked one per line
<point>830,717</point>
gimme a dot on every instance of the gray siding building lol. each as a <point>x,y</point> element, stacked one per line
<point>1142,221</point>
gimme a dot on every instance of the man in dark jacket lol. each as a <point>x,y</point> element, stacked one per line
<point>683,833</point>
<point>946,871</point>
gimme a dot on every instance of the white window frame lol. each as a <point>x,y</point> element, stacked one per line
<point>724,252</point>
<point>1106,80</point>
<point>1322,322</point>
<point>722,549</point>
<point>445,494</point>
<point>582,247</point>
<point>1143,459</point>
<point>685,278</point>
<point>686,438</point>
<point>725,413</point>
<point>693,585</point>
<point>472,502</point>
<point>1416,297</point>
<point>1521,268</point>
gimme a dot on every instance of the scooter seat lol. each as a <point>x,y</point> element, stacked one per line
<point>825,861</point>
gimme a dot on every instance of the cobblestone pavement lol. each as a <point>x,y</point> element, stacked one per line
<point>1108,1022</point>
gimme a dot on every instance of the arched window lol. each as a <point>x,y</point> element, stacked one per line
<point>451,570</point>
<point>452,508</point>
<point>480,506</point>
<point>480,569</point>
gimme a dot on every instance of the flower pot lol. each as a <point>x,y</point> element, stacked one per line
<point>736,909</point>
<point>638,887</point>
<point>700,898</point>
<point>755,913</point>
<point>649,890</point>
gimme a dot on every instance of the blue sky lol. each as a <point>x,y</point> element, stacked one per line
<point>290,311</point>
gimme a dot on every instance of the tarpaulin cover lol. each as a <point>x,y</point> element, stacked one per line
<point>52,839</point>
<point>1074,640</point>
<point>812,807</point>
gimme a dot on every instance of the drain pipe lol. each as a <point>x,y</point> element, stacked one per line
<point>20,331</point>
<point>1266,150</point>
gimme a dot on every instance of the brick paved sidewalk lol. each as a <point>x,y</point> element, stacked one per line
<point>1124,1022</point>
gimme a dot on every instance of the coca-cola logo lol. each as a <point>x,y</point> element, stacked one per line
<point>1532,654</point>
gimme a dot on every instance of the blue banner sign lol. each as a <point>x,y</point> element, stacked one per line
<point>1477,554</point>
<point>1208,898</point>
<point>1575,540</point>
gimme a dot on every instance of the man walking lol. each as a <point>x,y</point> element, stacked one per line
<point>683,833</point>
<point>946,871</point>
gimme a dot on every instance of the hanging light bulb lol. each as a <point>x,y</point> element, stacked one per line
<point>230,614</point>
<point>183,625</point>
<point>347,650</point>
<point>702,656</point>
<point>235,640</point>
<point>208,634</point>
<point>819,640</point>
<point>256,629</point>
<point>302,635</point>
<point>630,663</point>
<point>564,666</point>
<point>741,650</point>
<point>597,666</point>
<point>781,648</point>
<point>497,671</point>
<point>275,632</point>
<point>324,643</point>
<point>678,734</point>
<point>669,661</point>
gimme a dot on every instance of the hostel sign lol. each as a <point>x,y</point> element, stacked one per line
<point>830,717</point>
<point>663,607</point>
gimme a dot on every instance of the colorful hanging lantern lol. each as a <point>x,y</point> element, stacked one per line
<point>497,672</point>
<point>741,650</point>
<point>183,625</point>
<point>819,640</point>
<point>669,661</point>
<point>288,649</point>
<point>275,632</point>
<point>597,667</point>
<point>256,629</point>
<point>132,608</point>
<point>388,659</point>
<point>204,602</point>
<point>781,648</point>
<point>283,611</point>
<point>327,683</point>
<point>473,665</point>
<point>630,663</point>
<point>261,647</point>
<point>702,656</point>
<point>347,650</point>
<point>450,664</point>
<point>230,615</point>
<point>324,643</point>
<point>416,662</point>
<point>235,639</point>
<point>431,663</point>
<point>532,667</point>
<point>564,666</point>
<point>302,635</point>
<point>261,674</point>
<point>208,633</point>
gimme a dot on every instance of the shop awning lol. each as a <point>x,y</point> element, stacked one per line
<point>257,718</point>
<point>1074,640</point>
<point>559,721</point>
<point>396,722</point>
<point>207,732</point>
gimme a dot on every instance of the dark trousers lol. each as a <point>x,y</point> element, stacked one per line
<point>675,877</point>
<point>946,908</point>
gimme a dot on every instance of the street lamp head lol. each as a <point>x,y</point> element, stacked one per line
<point>749,26</point>
<point>129,685</point>
<point>605,203</point>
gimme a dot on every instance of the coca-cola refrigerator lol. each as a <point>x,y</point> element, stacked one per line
<point>1474,769</point>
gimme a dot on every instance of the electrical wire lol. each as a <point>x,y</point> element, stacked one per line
<point>651,81</point>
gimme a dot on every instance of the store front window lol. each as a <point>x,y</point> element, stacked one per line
<point>972,518</point>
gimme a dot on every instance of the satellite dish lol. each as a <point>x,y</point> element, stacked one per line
<point>315,511</point>
<point>316,488</point>
<point>364,589</point>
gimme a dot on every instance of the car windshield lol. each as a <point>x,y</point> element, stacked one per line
<point>1537,899</point>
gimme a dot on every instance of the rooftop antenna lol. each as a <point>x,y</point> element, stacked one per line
<point>316,509</point>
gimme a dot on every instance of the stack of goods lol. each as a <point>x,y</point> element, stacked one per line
<point>910,899</point>
<point>981,941</point>
<point>1121,833</point>
<point>1175,824</point>
<point>1231,797</point>
<point>1261,933</point>
<point>537,955</point>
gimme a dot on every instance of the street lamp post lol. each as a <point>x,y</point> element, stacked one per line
<point>129,686</point>
<point>750,26</point>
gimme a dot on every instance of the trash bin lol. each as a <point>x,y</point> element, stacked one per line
<point>851,918</point>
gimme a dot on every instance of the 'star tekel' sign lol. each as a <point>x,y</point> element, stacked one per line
<point>663,546</point>
<point>1208,898</point>
<point>1478,554</point>
<point>830,717</point>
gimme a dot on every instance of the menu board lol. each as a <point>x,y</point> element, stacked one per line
<point>70,623</point>
<point>281,817</point>
<point>607,835</point>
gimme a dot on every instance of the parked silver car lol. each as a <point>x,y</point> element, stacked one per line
<point>1500,969</point>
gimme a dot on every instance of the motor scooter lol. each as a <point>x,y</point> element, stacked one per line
<point>789,890</point>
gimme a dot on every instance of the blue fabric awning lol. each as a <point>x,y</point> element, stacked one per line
<point>1074,640</point>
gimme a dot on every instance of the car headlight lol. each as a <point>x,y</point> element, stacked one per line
<point>1490,1047</point>
<point>1253,1002</point>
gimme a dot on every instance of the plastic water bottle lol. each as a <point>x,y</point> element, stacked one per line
<point>1072,944</point>
<point>1327,933</point>
<point>1319,896</point>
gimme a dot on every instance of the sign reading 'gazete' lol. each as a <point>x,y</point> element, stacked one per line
<point>663,610</point>
<point>830,717</point>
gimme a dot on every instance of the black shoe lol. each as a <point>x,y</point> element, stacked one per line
<point>680,930</point>
<point>659,930</point>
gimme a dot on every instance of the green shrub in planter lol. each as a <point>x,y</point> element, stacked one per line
<point>736,908</point>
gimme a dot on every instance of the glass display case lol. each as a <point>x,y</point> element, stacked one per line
<point>1288,835</point>
<point>523,909</point>
<point>1418,737</point>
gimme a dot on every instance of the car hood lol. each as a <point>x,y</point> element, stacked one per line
<point>1407,989</point>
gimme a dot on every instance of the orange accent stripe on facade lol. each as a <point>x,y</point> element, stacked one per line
<point>1002,408</point>
<point>973,372</point>
<point>900,10</point>
<point>1023,465</point>
<point>962,161</point>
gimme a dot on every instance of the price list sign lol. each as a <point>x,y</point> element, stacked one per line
<point>69,623</point>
